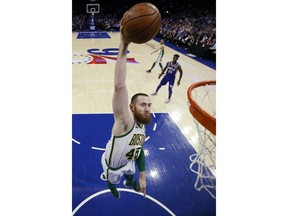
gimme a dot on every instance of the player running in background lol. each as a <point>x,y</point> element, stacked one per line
<point>159,57</point>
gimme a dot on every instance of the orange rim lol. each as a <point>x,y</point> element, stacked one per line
<point>208,121</point>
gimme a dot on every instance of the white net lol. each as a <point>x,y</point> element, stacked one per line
<point>203,163</point>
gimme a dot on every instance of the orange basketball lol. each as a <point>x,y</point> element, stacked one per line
<point>141,23</point>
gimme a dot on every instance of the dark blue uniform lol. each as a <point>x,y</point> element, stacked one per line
<point>170,75</point>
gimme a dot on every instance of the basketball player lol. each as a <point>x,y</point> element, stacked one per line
<point>159,57</point>
<point>128,132</point>
<point>170,69</point>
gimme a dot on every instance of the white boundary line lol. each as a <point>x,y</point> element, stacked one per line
<point>120,189</point>
<point>75,141</point>
<point>101,149</point>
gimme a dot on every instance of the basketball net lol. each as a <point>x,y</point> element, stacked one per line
<point>202,105</point>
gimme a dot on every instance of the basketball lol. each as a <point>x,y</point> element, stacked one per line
<point>141,23</point>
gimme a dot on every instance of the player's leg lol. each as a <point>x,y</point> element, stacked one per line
<point>170,87</point>
<point>157,60</point>
<point>111,177</point>
<point>129,175</point>
<point>153,65</point>
<point>131,183</point>
<point>161,66</point>
<point>162,83</point>
<point>157,89</point>
<point>113,190</point>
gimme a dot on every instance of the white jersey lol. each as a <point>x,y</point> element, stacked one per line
<point>122,149</point>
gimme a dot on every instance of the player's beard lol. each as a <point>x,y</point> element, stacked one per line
<point>142,118</point>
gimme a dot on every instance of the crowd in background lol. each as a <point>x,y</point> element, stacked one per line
<point>186,24</point>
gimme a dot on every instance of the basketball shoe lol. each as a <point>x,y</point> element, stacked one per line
<point>131,184</point>
<point>114,190</point>
<point>154,93</point>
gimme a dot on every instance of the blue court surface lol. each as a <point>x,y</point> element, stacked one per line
<point>170,182</point>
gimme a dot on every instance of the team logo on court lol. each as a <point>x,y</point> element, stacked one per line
<point>97,56</point>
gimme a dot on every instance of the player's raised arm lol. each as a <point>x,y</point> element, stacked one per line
<point>120,103</point>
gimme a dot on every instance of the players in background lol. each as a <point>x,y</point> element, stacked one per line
<point>159,57</point>
<point>128,133</point>
<point>170,69</point>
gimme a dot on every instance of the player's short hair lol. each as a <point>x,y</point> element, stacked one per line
<point>176,55</point>
<point>134,98</point>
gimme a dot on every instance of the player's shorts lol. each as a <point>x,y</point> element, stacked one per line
<point>114,175</point>
<point>167,79</point>
<point>159,58</point>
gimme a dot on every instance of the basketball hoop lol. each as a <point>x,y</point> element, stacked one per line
<point>92,9</point>
<point>202,105</point>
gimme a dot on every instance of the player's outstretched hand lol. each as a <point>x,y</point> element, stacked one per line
<point>142,183</point>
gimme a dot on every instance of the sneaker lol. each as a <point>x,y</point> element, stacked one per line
<point>167,101</point>
<point>148,71</point>
<point>103,177</point>
<point>132,184</point>
<point>154,93</point>
<point>114,192</point>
